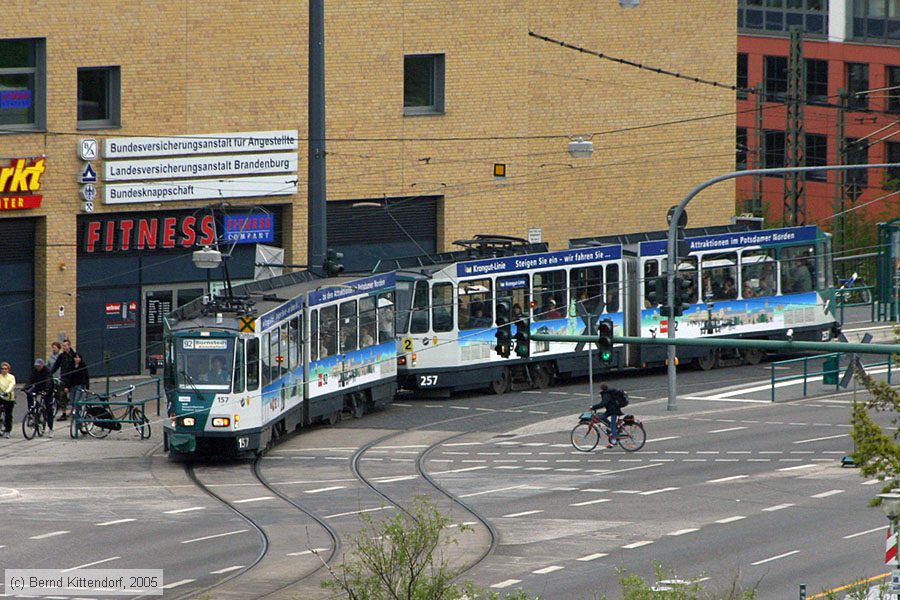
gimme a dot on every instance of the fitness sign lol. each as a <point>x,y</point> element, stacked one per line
<point>18,183</point>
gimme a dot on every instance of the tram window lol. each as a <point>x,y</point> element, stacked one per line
<point>549,291</point>
<point>587,286</point>
<point>404,301</point>
<point>442,306</point>
<point>798,271</point>
<point>757,273</point>
<point>314,335</point>
<point>252,364</point>
<point>284,351</point>
<point>651,270</point>
<point>512,296</point>
<point>328,330</point>
<point>238,382</point>
<point>418,322</point>
<point>612,288</point>
<point>368,320</point>
<point>720,276</point>
<point>687,269</point>
<point>264,356</point>
<point>386,317</point>
<point>826,275</point>
<point>349,327</point>
<point>275,355</point>
<point>475,304</point>
<point>295,348</point>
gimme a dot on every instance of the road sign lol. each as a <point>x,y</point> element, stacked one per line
<point>89,192</point>
<point>854,361</point>
<point>88,149</point>
<point>247,325</point>
<point>88,174</point>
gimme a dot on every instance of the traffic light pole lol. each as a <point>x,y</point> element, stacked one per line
<point>673,231</point>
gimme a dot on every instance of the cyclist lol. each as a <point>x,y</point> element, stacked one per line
<point>610,404</point>
<point>40,389</point>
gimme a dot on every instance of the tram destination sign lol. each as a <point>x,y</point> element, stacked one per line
<point>765,237</point>
<point>538,261</point>
<point>369,285</point>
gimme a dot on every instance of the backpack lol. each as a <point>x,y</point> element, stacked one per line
<point>621,398</point>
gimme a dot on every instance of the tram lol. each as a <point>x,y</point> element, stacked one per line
<point>243,369</point>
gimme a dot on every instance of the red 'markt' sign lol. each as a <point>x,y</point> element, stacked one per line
<point>17,180</point>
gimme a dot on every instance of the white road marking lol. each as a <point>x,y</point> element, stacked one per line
<point>546,570</point>
<point>870,482</point>
<point>522,514</point>
<point>592,557</point>
<point>450,444</point>
<point>356,512</point>
<point>634,545</point>
<point>853,535</point>
<point>626,491</point>
<point>586,503</point>
<point>226,570</point>
<point>512,487</point>
<point>326,489</point>
<point>96,562</point>
<point>650,466</point>
<point>48,535</point>
<point>731,519</point>
<point>305,552</point>
<point>403,405</point>
<point>184,510</point>
<point>797,467</point>
<point>765,560</point>
<point>659,491</point>
<point>819,439</point>
<point>828,493</point>
<point>683,531</point>
<point>777,507</point>
<point>724,479</point>
<point>116,522</point>
<point>506,583</point>
<point>727,429</point>
<point>257,499</point>
<point>169,586</point>
<point>459,470</point>
<point>218,535</point>
<point>663,439</point>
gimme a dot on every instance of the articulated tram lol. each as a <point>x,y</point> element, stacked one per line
<point>243,369</point>
<point>750,284</point>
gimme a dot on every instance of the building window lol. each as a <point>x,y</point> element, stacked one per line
<point>776,81</point>
<point>893,91</point>
<point>892,175</point>
<point>740,151</point>
<point>423,84</point>
<point>774,150</point>
<point>876,20</point>
<point>857,82</point>
<point>816,81</point>
<point>98,97</point>
<point>22,84</point>
<point>857,154</point>
<point>816,155</point>
<point>780,16</point>
<point>742,77</point>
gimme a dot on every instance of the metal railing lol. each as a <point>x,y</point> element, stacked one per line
<point>834,370</point>
<point>108,401</point>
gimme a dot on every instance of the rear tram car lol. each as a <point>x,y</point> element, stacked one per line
<point>278,354</point>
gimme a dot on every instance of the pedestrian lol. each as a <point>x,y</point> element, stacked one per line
<point>7,397</point>
<point>40,389</point>
<point>609,402</point>
<point>64,364</point>
<point>55,351</point>
<point>77,381</point>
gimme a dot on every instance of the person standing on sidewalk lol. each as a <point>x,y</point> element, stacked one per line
<point>63,364</point>
<point>77,380</point>
<point>7,396</point>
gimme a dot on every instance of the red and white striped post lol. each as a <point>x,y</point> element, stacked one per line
<point>892,559</point>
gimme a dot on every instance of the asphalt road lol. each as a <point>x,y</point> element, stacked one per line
<point>730,486</point>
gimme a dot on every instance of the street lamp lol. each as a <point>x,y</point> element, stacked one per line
<point>581,147</point>
<point>207,258</point>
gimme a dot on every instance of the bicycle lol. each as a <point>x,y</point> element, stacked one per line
<point>586,435</point>
<point>34,423</point>
<point>88,414</point>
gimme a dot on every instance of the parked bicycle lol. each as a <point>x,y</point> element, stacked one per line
<point>96,417</point>
<point>34,423</point>
<point>591,426</point>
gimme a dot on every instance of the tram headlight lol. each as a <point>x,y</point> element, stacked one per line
<point>188,421</point>
<point>221,422</point>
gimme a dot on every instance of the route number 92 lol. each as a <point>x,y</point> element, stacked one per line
<point>428,380</point>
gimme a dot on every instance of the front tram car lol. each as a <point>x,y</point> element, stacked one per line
<point>244,369</point>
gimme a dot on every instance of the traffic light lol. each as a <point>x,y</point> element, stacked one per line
<point>605,339</point>
<point>333,268</point>
<point>523,339</point>
<point>657,291</point>
<point>683,287</point>
<point>504,340</point>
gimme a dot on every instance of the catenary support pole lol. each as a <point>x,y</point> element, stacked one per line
<point>317,240</point>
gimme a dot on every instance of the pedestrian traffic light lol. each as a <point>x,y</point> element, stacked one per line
<point>504,340</point>
<point>657,291</point>
<point>333,267</point>
<point>523,339</point>
<point>605,339</point>
<point>683,295</point>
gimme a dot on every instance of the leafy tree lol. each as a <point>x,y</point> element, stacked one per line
<point>636,588</point>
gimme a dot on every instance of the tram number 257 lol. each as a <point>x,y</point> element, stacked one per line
<point>427,380</point>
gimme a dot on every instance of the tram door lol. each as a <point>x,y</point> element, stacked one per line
<point>158,301</point>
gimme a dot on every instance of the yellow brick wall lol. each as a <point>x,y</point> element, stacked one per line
<point>207,67</point>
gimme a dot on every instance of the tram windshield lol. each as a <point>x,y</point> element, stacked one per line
<point>204,363</point>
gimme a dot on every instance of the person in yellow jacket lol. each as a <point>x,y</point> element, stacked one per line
<point>7,397</point>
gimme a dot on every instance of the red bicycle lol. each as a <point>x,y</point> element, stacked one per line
<point>586,435</point>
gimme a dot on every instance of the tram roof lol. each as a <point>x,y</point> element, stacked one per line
<point>481,246</point>
<point>632,239</point>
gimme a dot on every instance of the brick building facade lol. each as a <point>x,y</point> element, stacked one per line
<point>422,100</point>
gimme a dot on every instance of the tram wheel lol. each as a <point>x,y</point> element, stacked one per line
<point>541,375</point>
<point>502,383</point>
<point>754,356</point>
<point>359,407</point>
<point>334,417</point>
<point>709,361</point>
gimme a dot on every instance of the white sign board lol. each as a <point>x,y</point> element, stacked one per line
<point>200,189</point>
<point>88,149</point>
<point>206,166</point>
<point>535,235</point>
<point>205,143</point>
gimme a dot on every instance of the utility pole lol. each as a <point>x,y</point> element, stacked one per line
<point>756,201</point>
<point>840,158</point>
<point>317,233</point>
<point>794,212</point>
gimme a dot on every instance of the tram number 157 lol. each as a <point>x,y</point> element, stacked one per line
<point>427,380</point>
<point>243,442</point>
